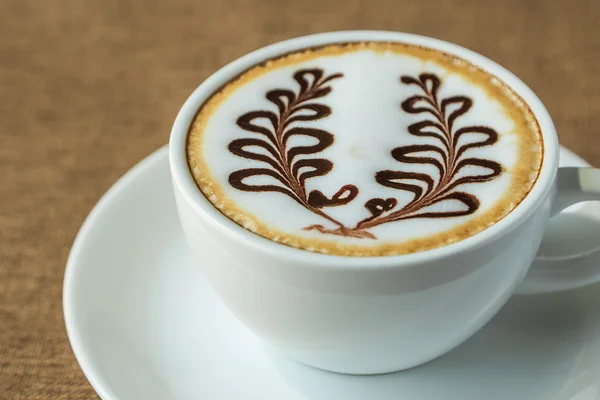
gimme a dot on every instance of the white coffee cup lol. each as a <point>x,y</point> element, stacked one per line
<point>365,315</point>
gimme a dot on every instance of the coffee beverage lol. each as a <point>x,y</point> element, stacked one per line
<point>365,149</point>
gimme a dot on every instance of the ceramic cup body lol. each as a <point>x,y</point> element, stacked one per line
<point>362,315</point>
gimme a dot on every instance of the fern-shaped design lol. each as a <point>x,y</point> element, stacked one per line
<point>289,171</point>
<point>284,163</point>
<point>447,156</point>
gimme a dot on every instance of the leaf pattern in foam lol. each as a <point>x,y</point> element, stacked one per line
<point>289,166</point>
<point>447,154</point>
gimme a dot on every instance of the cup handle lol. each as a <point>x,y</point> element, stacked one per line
<point>574,185</point>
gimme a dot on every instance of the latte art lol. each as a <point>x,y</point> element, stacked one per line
<point>365,149</point>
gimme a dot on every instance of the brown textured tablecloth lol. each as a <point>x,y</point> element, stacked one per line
<point>88,88</point>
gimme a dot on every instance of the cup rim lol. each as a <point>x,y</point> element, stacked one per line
<point>184,181</point>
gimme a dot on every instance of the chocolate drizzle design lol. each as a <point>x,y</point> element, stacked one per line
<point>446,153</point>
<point>282,160</point>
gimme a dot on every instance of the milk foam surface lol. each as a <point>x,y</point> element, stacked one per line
<point>397,191</point>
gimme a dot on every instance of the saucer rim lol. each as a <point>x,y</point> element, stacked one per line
<point>72,269</point>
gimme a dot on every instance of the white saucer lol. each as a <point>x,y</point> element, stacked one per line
<point>144,325</point>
